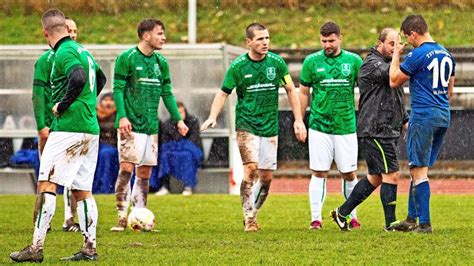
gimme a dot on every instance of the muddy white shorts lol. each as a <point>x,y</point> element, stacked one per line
<point>255,149</point>
<point>324,148</point>
<point>69,159</point>
<point>138,148</point>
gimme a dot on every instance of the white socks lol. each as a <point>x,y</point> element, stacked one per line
<point>140,192</point>
<point>317,195</point>
<point>45,214</point>
<point>347,187</point>
<point>88,215</point>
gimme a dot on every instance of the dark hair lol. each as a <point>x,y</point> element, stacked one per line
<point>329,28</point>
<point>414,23</point>
<point>250,30</point>
<point>181,105</point>
<point>384,33</point>
<point>53,19</point>
<point>148,25</point>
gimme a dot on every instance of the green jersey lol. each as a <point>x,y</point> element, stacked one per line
<point>333,80</point>
<point>139,82</point>
<point>256,84</point>
<point>81,115</point>
<point>42,102</point>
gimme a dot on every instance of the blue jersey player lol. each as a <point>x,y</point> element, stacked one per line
<point>431,71</point>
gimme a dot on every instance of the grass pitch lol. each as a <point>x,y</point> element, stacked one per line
<point>207,229</point>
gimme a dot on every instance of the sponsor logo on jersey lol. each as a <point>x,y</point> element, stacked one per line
<point>139,68</point>
<point>346,69</point>
<point>248,76</point>
<point>271,73</point>
<point>321,69</point>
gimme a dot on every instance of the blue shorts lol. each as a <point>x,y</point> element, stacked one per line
<point>423,144</point>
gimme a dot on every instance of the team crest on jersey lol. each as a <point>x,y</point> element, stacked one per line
<point>271,73</point>
<point>157,69</point>
<point>346,69</point>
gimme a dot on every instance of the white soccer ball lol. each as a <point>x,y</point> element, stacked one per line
<point>141,219</point>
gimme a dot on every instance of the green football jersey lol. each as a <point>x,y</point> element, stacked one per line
<point>81,116</point>
<point>139,82</point>
<point>333,80</point>
<point>256,84</point>
<point>42,96</point>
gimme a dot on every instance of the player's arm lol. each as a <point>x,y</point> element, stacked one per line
<point>292,93</point>
<point>305,84</point>
<point>397,76</point>
<point>451,86</point>
<point>216,107</point>
<point>120,80</point>
<point>76,82</point>
<point>39,100</point>
<point>304,98</point>
<point>101,80</point>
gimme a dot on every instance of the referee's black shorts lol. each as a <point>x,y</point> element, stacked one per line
<point>380,154</point>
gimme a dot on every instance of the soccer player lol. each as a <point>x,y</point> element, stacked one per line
<point>332,74</point>
<point>256,76</point>
<point>141,77</point>
<point>42,107</point>
<point>431,71</point>
<point>70,154</point>
<point>382,118</point>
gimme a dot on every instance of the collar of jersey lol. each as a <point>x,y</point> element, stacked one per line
<point>256,61</point>
<point>330,56</point>
<point>145,54</point>
<point>62,40</point>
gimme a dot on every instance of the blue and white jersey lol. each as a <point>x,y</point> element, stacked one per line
<point>430,66</point>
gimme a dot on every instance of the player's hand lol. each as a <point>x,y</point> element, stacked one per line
<point>300,130</point>
<point>44,133</point>
<point>399,47</point>
<point>55,109</point>
<point>208,123</point>
<point>182,128</point>
<point>404,131</point>
<point>125,127</point>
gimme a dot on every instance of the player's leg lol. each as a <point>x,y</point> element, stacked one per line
<point>58,166</point>
<point>46,202</point>
<point>345,156</point>
<point>419,148</point>
<point>248,147</point>
<point>321,154</point>
<point>143,173</point>
<point>422,186</point>
<point>388,197</point>
<point>70,207</point>
<point>375,164</point>
<point>86,206</point>
<point>122,191</point>
<point>141,186</point>
<point>129,156</point>
<point>267,162</point>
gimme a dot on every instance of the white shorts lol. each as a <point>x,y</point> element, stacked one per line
<point>138,148</point>
<point>260,150</point>
<point>69,159</point>
<point>324,148</point>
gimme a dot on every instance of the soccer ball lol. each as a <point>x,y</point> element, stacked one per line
<point>141,219</point>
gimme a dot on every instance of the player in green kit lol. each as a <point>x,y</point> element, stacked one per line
<point>70,154</point>
<point>332,74</point>
<point>42,107</point>
<point>141,78</point>
<point>256,76</point>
